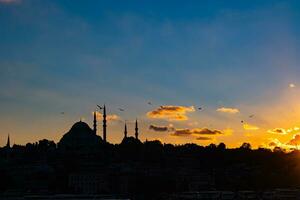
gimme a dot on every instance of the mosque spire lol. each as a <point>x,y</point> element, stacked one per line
<point>104,123</point>
<point>95,123</point>
<point>136,130</point>
<point>8,142</point>
<point>125,131</point>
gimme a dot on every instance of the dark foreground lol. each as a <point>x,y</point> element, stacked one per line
<point>278,194</point>
<point>83,166</point>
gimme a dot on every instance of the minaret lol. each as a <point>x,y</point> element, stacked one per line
<point>95,123</point>
<point>136,130</point>
<point>8,142</point>
<point>125,131</point>
<point>104,123</point>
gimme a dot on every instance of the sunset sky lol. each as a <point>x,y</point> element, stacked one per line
<point>160,61</point>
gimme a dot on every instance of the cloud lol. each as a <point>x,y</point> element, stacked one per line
<point>272,144</point>
<point>292,85</point>
<point>158,128</point>
<point>282,131</point>
<point>228,110</point>
<point>295,141</point>
<point>161,128</point>
<point>112,117</point>
<point>196,132</point>
<point>182,132</point>
<point>206,131</point>
<point>291,145</point>
<point>250,127</point>
<point>171,113</point>
<point>203,138</point>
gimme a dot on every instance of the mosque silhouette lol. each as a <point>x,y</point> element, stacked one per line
<point>81,136</point>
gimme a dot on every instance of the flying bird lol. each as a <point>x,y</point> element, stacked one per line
<point>100,107</point>
<point>121,109</point>
<point>149,103</point>
<point>62,113</point>
<point>200,108</point>
<point>242,121</point>
<point>251,116</point>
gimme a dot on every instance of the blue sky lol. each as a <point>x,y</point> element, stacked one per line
<point>71,55</point>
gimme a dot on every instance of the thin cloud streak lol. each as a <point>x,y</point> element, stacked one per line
<point>196,132</point>
<point>228,110</point>
<point>160,128</point>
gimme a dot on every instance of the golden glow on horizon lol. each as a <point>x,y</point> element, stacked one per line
<point>275,123</point>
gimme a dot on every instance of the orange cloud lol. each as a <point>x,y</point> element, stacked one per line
<point>272,144</point>
<point>171,113</point>
<point>228,110</point>
<point>275,143</point>
<point>291,145</point>
<point>250,127</point>
<point>295,141</point>
<point>112,117</point>
<point>282,131</point>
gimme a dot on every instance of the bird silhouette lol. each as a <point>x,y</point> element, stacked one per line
<point>200,108</point>
<point>100,107</point>
<point>251,116</point>
<point>121,109</point>
<point>149,103</point>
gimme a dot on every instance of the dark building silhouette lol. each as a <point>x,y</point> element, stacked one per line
<point>79,137</point>
<point>82,165</point>
<point>136,130</point>
<point>8,142</point>
<point>95,123</point>
<point>125,131</point>
<point>104,123</point>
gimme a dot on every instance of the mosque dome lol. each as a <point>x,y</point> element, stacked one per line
<point>81,128</point>
<point>80,136</point>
